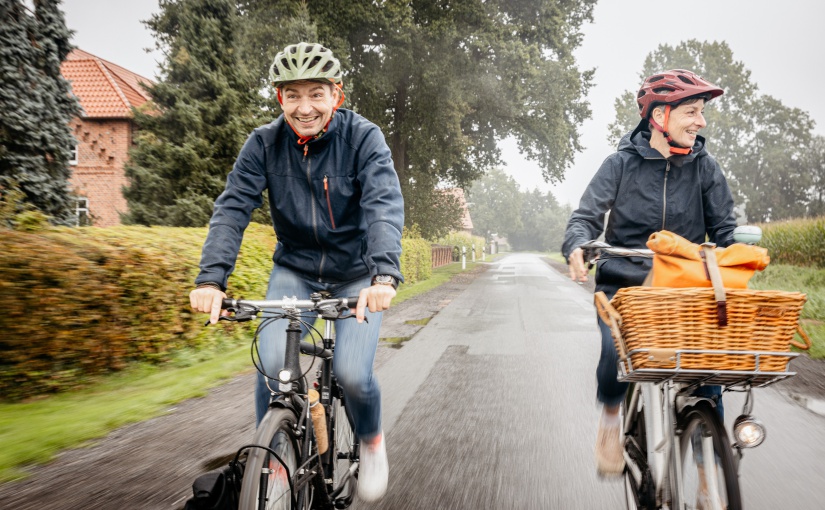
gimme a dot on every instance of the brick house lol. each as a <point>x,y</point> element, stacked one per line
<point>104,132</point>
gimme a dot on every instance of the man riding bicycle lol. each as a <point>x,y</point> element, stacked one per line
<point>660,178</point>
<point>337,210</point>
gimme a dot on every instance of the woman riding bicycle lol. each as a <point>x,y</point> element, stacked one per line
<point>660,178</point>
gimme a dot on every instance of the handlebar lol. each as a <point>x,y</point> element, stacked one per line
<point>291,303</point>
<point>592,250</point>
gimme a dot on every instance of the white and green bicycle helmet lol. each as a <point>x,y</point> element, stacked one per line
<point>304,61</point>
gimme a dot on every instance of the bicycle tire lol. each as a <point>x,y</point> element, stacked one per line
<point>345,452</point>
<point>277,432</point>
<point>639,494</point>
<point>704,433</point>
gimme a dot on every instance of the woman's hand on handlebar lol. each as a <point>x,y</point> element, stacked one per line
<point>578,269</point>
<point>208,300</point>
<point>376,297</point>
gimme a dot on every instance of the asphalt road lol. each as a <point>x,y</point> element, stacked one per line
<point>491,406</point>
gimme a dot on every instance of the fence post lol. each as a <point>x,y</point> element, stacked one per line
<point>463,258</point>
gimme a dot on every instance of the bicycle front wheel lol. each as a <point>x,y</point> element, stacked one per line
<point>345,450</point>
<point>266,483</point>
<point>709,478</point>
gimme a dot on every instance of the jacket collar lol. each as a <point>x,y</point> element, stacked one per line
<point>638,141</point>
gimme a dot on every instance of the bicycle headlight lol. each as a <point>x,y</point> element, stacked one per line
<point>748,432</point>
<point>284,376</point>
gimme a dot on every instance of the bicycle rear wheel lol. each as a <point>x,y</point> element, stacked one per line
<point>345,450</point>
<point>277,432</point>
<point>709,477</point>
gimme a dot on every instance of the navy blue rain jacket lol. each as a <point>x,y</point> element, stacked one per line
<point>349,168</point>
<point>646,193</point>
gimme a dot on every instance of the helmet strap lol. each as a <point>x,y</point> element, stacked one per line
<point>674,149</point>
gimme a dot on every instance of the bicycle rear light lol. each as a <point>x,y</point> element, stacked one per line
<point>748,432</point>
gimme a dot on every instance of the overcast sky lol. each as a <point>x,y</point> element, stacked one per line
<point>780,42</point>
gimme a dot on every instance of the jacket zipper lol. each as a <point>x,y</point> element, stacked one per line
<point>329,204</point>
<point>314,215</point>
<point>664,196</point>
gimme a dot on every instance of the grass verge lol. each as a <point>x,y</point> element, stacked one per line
<point>34,432</point>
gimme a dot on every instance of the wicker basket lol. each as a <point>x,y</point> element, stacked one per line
<point>667,319</point>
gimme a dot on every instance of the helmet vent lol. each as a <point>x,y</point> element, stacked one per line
<point>654,79</point>
<point>665,90</point>
<point>285,63</point>
<point>685,79</point>
<point>641,93</point>
<point>309,48</point>
<point>314,62</point>
<point>329,65</point>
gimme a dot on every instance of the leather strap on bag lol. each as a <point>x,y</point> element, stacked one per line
<point>715,277</point>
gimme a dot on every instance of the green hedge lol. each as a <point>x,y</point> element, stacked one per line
<point>86,301</point>
<point>462,239</point>
<point>83,302</point>
<point>796,242</point>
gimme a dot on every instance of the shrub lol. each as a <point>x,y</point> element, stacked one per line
<point>82,302</point>
<point>796,242</point>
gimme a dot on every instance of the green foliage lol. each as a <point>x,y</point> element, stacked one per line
<point>496,205</point>
<point>416,256</point>
<point>459,240</point>
<point>543,222</point>
<point>797,242</point>
<point>811,282</point>
<point>445,82</point>
<point>529,220</point>
<point>764,147</point>
<point>82,302</point>
<point>436,211</point>
<point>202,112</point>
<point>36,107</point>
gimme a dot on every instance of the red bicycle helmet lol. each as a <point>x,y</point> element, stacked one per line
<point>672,87</point>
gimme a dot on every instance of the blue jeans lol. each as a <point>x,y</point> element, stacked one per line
<point>355,346</point>
<point>611,392</point>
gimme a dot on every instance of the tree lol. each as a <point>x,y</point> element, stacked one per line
<point>814,163</point>
<point>36,107</point>
<point>446,80</point>
<point>496,204</point>
<point>200,115</point>
<point>757,140</point>
<point>542,224</point>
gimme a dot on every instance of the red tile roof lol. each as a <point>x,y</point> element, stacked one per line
<point>105,90</point>
<point>458,193</point>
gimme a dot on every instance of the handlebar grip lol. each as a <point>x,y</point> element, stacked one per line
<point>352,301</point>
<point>228,303</point>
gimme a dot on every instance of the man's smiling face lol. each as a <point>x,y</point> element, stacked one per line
<point>308,105</point>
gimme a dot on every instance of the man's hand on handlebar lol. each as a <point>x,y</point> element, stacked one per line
<point>208,300</point>
<point>376,297</point>
<point>578,269</point>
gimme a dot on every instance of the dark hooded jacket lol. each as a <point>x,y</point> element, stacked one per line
<point>337,207</point>
<point>644,193</point>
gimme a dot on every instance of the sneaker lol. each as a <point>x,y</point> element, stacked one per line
<point>609,451</point>
<point>374,471</point>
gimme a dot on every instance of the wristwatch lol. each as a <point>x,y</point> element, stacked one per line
<point>385,279</point>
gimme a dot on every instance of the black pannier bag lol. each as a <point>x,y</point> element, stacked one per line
<point>217,489</point>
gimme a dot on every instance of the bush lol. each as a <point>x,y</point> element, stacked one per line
<point>796,242</point>
<point>83,302</point>
<point>416,256</point>
<point>460,240</point>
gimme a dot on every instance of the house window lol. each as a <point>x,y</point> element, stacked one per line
<point>82,212</point>
<point>73,157</point>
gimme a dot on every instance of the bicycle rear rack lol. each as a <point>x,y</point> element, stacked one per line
<point>755,378</point>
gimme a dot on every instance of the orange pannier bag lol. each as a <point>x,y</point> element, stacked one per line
<point>678,262</point>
